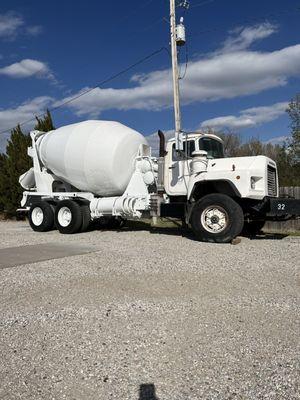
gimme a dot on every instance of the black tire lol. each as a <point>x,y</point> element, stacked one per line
<point>253,228</point>
<point>74,210</point>
<point>86,217</point>
<point>45,221</point>
<point>227,215</point>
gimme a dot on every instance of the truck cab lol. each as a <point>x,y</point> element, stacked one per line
<point>218,196</point>
<point>178,165</point>
<point>202,164</point>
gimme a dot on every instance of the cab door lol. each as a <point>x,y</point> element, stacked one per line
<point>177,171</point>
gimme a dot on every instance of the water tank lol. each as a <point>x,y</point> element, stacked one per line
<point>93,156</point>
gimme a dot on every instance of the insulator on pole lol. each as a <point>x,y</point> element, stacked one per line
<point>184,4</point>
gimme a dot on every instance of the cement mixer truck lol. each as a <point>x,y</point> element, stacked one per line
<point>105,171</point>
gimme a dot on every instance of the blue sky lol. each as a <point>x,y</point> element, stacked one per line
<point>244,63</point>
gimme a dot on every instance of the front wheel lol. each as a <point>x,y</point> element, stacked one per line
<point>217,218</point>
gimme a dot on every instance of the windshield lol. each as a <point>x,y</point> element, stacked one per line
<point>213,147</point>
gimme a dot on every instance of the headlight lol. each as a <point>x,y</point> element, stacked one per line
<point>257,183</point>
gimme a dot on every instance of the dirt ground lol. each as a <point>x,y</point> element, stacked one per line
<point>147,314</point>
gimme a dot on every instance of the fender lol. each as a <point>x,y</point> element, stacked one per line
<point>198,182</point>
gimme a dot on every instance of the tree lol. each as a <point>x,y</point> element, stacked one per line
<point>293,111</point>
<point>15,162</point>
<point>231,142</point>
<point>252,148</point>
<point>293,146</point>
<point>283,155</point>
<point>2,182</point>
<point>44,124</point>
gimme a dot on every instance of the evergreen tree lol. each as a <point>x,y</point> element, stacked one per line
<point>2,181</point>
<point>15,163</point>
<point>44,124</point>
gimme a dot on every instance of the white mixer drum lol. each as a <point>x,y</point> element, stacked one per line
<point>93,156</point>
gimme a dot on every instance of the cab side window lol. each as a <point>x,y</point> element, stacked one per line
<point>188,149</point>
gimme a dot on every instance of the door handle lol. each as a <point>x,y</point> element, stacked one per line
<point>172,167</point>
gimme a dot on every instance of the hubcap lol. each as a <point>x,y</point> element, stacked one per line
<point>37,216</point>
<point>64,216</point>
<point>214,219</point>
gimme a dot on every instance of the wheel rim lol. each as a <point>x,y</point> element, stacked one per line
<point>64,216</point>
<point>37,216</point>
<point>214,219</point>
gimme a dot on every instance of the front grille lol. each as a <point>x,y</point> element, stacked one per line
<point>272,181</point>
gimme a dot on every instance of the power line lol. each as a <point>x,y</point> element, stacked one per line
<point>122,72</point>
<point>164,19</point>
<point>182,76</point>
<point>105,81</point>
<point>203,3</point>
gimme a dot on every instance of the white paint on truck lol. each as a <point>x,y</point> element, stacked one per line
<point>103,169</point>
<point>93,156</point>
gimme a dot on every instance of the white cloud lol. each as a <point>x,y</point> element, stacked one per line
<point>277,140</point>
<point>10,117</point>
<point>153,141</point>
<point>34,30</point>
<point>243,37</point>
<point>235,71</point>
<point>231,72</point>
<point>248,118</point>
<point>10,24</point>
<point>27,68</point>
<point>13,24</point>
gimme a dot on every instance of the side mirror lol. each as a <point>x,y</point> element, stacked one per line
<point>200,154</point>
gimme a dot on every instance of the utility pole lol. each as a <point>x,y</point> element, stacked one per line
<point>178,128</point>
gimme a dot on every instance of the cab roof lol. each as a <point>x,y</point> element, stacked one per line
<point>197,135</point>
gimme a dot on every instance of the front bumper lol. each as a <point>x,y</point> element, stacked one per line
<point>284,206</point>
<point>273,209</point>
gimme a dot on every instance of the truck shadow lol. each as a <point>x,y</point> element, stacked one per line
<point>268,236</point>
<point>178,230</point>
<point>174,228</point>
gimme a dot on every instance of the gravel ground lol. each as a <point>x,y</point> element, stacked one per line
<point>151,315</point>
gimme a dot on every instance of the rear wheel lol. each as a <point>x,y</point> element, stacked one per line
<point>41,217</point>
<point>86,217</point>
<point>68,217</point>
<point>217,218</point>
